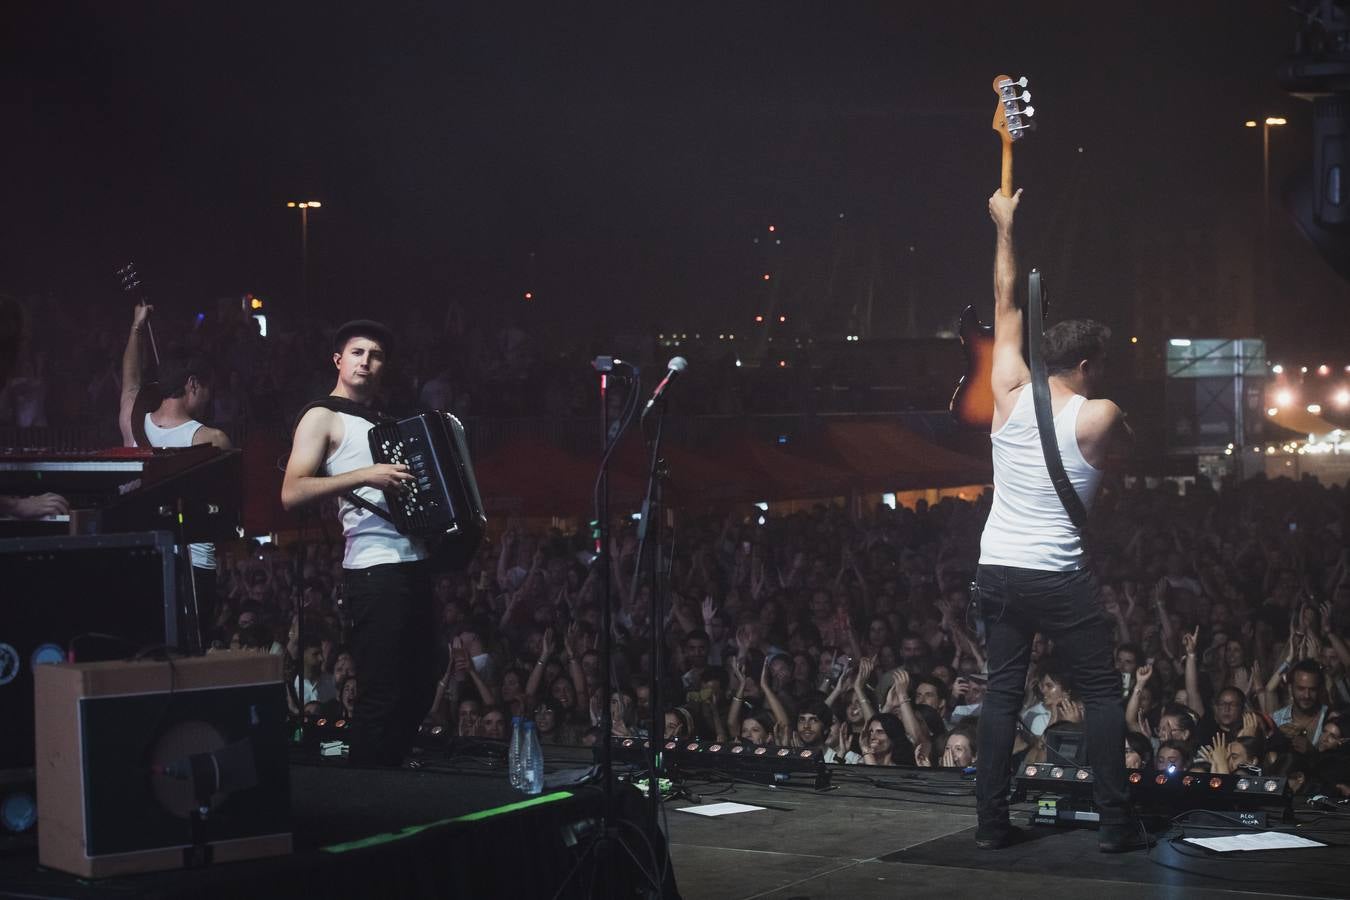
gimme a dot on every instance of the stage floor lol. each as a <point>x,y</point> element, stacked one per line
<point>916,838</point>
<point>875,833</point>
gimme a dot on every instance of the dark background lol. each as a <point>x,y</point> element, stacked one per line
<point>637,152</point>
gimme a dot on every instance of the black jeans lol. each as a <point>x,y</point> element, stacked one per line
<point>1064,606</point>
<point>393,644</point>
<point>198,629</point>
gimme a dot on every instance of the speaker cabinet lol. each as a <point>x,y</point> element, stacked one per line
<point>153,765</point>
<point>97,596</point>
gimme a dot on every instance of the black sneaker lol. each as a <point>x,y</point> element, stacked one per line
<point>997,837</point>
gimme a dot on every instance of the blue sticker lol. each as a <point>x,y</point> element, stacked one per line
<point>18,812</point>
<point>9,663</point>
<point>46,654</point>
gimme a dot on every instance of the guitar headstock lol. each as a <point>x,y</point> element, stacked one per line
<point>130,280</point>
<point>1013,115</point>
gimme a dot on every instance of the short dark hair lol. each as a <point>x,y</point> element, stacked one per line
<point>1185,718</point>
<point>366,328</point>
<point>1131,647</point>
<point>1068,343</point>
<point>818,709</point>
<point>1141,745</point>
<point>943,692</point>
<point>698,634</point>
<point>1310,666</point>
<point>1057,672</point>
<point>177,368</point>
<point>713,673</point>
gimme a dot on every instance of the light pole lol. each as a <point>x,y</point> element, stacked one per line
<point>1265,163</point>
<point>304,206</point>
<point>1266,285</point>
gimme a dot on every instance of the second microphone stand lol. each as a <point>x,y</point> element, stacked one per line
<point>650,530</point>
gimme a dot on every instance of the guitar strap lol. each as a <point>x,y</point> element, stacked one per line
<point>361,411</point>
<point>1045,415</point>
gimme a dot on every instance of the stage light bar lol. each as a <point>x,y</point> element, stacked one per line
<point>1172,781</point>
<point>1046,774</point>
<point>767,764</point>
<point>1063,793</point>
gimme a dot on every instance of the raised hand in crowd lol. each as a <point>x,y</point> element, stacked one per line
<point>1066,710</point>
<point>1216,754</point>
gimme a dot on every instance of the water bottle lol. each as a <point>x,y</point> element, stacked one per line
<point>532,766</point>
<point>515,755</point>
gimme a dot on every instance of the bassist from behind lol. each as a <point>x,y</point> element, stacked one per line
<point>1034,575</point>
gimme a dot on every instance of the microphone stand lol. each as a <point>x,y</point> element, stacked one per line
<point>651,527</point>
<point>608,838</point>
<point>602,539</point>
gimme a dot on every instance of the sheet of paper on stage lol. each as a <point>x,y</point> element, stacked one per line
<point>1265,840</point>
<point>719,809</point>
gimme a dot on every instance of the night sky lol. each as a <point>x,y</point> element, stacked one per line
<point>638,153</point>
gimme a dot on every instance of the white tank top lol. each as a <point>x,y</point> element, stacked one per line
<point>203,555</point>
<point>1027,526</point>
<point>371,540</point>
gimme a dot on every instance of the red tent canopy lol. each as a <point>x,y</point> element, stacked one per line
<point>695,477</point>
<point>887,457</point>
<point>265,452</point>
<point>780,475</point>
<point>534,478</point>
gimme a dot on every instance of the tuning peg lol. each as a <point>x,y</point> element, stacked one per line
<point>1026,97</point>
<point>1029,111</point>
<point>1021,82</point>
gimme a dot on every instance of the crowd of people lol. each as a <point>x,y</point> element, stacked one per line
<point>852,635</point>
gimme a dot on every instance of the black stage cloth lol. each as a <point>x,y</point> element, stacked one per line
<point>393,833</point>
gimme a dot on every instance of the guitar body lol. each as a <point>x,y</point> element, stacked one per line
<point>972,404</point>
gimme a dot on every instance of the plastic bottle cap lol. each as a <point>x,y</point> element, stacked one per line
<point>515,720</point>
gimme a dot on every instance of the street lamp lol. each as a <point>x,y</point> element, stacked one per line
<point>304,206</point>
<point>1270,121</point>
<point>1263,259</point>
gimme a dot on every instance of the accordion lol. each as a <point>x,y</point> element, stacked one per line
<point>442,502</point>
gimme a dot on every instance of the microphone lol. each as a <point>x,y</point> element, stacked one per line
<point>677,365</point>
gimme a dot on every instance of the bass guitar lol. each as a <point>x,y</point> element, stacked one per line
<point>972,404</point>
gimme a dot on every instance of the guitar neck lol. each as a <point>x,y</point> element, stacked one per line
<point>1006,184</point>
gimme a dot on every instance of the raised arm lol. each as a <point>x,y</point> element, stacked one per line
<point>898,701</point>
<point>1165,629</point>
<point>865,666</point>
<point>1189,642</point>
<point>537,672</point>
<point>1132,710</point>
<point>1111,606</point>
<point>783,730</point>
<point>448,686</point>
<point>573,640</point>
<point>1009,369</point>
<point>504,555</point>
<point>737,708</point>
<point>131,372</point>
